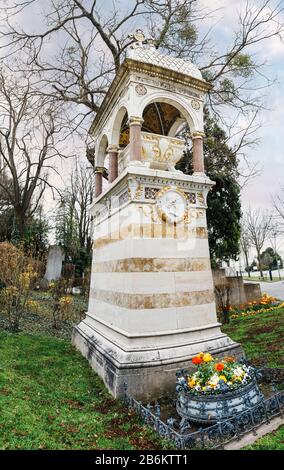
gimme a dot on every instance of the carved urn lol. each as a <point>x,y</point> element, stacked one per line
<point>161,152</point>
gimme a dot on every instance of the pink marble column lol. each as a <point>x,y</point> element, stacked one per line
<point>98,180</point>
<point>113,163</point>
<point>197,150</point>
<point>135,125</point>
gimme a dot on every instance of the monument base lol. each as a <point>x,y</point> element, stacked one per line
<point>148,372</point>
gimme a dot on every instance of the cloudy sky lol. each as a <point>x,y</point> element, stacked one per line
<point>269,152</point>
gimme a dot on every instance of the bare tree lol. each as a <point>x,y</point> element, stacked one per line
<point>89,40</point>
<point>31,131</point>
<point>82,192</point>
<point>278,204</point>
<point>73,221</point>
<point>4,183</point>
<point>276,240</point>
<point>245,245</point>
<point>257,226</point>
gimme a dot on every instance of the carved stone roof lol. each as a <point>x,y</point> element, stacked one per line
<point>150,55</point>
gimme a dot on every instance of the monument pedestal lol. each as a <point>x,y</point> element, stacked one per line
<point>152,304</point>
<point>150,372</point>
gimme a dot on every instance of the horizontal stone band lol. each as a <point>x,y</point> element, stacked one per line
<point>142,301</point>
<point>152,248</point>
<point>152,265</point>
<point>150,231</point>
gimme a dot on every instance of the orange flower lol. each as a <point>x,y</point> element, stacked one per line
<point>219,366</point>
<point>196,360</point>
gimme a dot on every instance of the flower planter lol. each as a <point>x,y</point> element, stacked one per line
<point>212,408</point>
<point>217,390</point>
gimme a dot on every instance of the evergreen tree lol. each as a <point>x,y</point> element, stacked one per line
<point>224,205</point>
<point>271,259</point>
<point>35,237</point>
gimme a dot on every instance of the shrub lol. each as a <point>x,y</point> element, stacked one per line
<point>17,277</point>
<point>63,308</point>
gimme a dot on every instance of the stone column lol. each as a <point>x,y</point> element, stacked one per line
<point>98,180</point>
<point>113,162</point>
<point>197,150</point>
<point>135,125</point>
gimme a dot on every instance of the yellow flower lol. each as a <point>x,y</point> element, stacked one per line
<point>207,357</point>
<point>191,382</point>
<point>222,377</point>
<point>212,384</point>
<point>201,354</point>
<point>66,300</point>
<point>235,378</point>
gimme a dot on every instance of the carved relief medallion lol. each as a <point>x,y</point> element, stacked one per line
<point>195,104</point>
<point>141,90</point>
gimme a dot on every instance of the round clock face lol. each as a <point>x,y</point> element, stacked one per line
<point>171,205</point>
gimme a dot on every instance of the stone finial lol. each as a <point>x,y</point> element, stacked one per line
<point>140,40</point>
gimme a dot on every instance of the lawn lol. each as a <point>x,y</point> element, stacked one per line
<point>261,336</point>
<point>272,441</point>
<point>265,279</point>
<point>51,399</point>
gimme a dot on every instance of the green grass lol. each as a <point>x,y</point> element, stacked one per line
<point>258,279</point>
<point>261,336</point>
<point>273,441</point>
<point>51,399</point>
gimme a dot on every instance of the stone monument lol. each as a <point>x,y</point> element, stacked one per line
<point>151,306</point>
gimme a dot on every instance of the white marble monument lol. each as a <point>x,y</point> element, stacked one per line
<point>151,306</point>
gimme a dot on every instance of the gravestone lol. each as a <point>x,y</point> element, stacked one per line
<point>54,263</point>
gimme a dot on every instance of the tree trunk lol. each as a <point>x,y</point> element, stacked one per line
<point>259,264</point>
<point>247,264</point>
<point>19,225</point>
<point>21,222</point>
